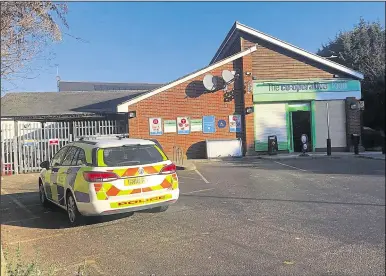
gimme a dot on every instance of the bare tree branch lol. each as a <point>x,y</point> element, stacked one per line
<point>27,28</point>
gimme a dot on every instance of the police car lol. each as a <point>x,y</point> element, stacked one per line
<point>108,176</point>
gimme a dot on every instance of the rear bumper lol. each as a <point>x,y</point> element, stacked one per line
<point>103,207</point>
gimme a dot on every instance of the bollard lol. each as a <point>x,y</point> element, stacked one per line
<point>328,147</point>
<point>355,138</point>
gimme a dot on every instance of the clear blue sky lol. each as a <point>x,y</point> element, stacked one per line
<point>159,42</point>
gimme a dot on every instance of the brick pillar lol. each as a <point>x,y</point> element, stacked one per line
<point>132,123</point>
<point>248,100</point>
<point>353,123</point>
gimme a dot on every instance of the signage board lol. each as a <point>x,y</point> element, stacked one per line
<point>29,143</point>
<point>170,126</point>
<point>196,125</point>
<point>53,142</point>
<point>183,125</point>
<point>208,123</point>
<point>300,90</point>
<point>221,123</point>
<point>235,123</point>
<point>155,125</point>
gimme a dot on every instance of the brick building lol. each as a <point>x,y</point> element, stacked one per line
<point>279,89</point>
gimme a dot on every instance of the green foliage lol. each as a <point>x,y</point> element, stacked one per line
<point>363,49</point>
<point>16,266</point>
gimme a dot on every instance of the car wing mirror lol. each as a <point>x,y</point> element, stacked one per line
<point>45,165</point>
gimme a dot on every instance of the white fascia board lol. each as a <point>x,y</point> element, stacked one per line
<point>299,51</point>
<point>123,107</point>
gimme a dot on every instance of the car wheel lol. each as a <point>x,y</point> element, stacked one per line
<point>42,196</point>
<point>160,209</point>
<point>74,216</point>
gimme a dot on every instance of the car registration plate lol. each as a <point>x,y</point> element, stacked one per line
<point>135,181</point>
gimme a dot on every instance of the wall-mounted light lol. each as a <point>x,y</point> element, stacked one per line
<point>249,110</point>
<point>132,114</point>
<point>248,73</point>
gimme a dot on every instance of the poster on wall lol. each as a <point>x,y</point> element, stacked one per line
<point>235,123</point>
<point>155,125</point>
<point>208,123</point>
<point>196,125</point>
<point>170,126</point>
<point>183,125</point>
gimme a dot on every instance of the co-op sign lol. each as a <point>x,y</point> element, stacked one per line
<point>317,86</point>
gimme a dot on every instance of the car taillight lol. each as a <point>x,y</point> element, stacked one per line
<point>171,168</point>
<point>99,176</point>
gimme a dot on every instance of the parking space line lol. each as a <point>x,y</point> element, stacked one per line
<point>296,168</point>
<point>187,177</point>
<point>19,220</point>
<point>18,203</point>
<point>26,205</point>
<point>198,191</point>
<point>203,178</point>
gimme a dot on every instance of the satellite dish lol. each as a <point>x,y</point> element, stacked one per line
<point>210,82</point>
<point>228,76</point>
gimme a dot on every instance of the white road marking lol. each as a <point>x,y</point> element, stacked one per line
<point>290,166</point>
<point>203,178</point>
<point>19,220</point>
<point>189,177</point>
<point>26,205</point>
<point>198,191</point>
<point>18,203</point>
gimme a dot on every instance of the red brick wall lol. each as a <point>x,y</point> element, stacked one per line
<point>272,62</point>
<point>187,99</point>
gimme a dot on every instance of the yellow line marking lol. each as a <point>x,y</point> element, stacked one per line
<point>203,178</point>
<point>36,239</point>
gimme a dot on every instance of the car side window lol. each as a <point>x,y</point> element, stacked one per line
<point>79,159</point>
<point>58,157</point>
<point>69,156</point>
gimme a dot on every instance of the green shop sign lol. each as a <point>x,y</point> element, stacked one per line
<point>306,90</point>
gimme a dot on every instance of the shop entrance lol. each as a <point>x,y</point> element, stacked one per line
<point>300,123</point>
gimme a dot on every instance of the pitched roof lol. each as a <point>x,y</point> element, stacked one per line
<point>104,86</point>
<point>243,28</point>
<point>123,106</point>
<point>62,103</point>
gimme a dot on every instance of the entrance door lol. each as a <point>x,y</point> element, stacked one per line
<point>301,124</point>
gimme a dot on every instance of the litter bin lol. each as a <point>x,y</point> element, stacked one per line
<point>355,139</point>
<point>272,144</point>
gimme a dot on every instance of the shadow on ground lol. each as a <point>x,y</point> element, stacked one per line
<point>52,217</point>
<point>344,165</point>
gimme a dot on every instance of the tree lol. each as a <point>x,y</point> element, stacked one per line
<point>26,29</point>
<point>363,49</point>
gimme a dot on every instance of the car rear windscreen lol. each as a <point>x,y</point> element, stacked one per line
<point>132,155</point>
